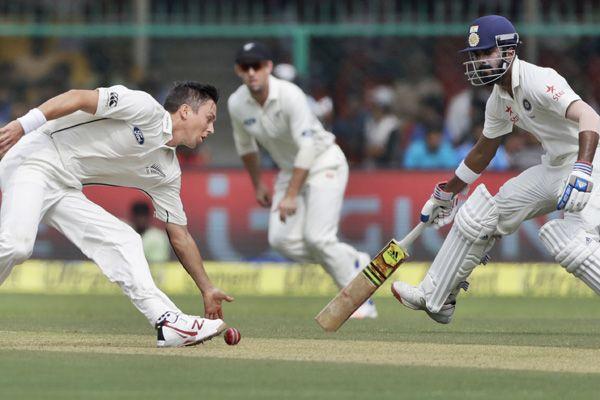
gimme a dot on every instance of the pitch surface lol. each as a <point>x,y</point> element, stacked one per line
<point>97,347</point>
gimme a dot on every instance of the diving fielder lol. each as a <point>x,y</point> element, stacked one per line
<point>539,101</point>
<point>310,186</point>
<point>119,137</point>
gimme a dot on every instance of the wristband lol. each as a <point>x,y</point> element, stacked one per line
<point>466,174</point>
<point>583,166</point>
<point>32,120</point>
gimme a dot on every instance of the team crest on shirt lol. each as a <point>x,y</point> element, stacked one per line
<point>139,136</point>
<point>526,105</point>
<point>249,121</point>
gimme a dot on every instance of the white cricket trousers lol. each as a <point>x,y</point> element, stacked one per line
<point>33,191</point>
<point>536,191</point>
<point>310,235</point>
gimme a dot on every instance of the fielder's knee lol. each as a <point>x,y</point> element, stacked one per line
<point>16,249</point>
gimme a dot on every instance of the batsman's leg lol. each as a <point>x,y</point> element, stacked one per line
<point>114,246</point>
<point>575,249</point>
<point>465,245</point>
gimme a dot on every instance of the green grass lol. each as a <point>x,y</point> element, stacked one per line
<point>33,374</point>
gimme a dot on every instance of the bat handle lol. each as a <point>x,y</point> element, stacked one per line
<point>412,235</point>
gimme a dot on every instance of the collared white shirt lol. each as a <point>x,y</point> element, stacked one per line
<point>280,125</point>
<point>541,100</point>
<point>123,144</point>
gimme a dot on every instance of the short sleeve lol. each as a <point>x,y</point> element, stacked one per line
<point>167,203</point>
<point>551,92</point>
<point>133,106</point>
<point>302,121</point>
<point>495,124</point>
<point>244,142</point>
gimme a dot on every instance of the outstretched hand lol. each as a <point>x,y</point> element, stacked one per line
<point>212,303</point>
<point>10,135</point>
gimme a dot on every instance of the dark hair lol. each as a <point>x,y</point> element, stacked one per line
<point>191,93</point>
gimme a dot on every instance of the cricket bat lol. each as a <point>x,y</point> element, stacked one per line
<point>362,287</point>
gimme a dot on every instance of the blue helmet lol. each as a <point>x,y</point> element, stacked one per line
<point>486,33</point>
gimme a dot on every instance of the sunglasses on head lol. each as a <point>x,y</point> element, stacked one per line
<point>255,66</point>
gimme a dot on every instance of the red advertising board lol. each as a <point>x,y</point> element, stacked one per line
<point>228,224</point>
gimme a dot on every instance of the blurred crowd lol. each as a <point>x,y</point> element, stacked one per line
<point>392,103</point>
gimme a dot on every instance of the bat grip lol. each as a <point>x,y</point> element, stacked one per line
<point>412,235</point>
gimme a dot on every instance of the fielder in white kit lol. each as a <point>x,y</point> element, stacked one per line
<point>309,190</point>
<point>111,136</point>
<point>539,101</point>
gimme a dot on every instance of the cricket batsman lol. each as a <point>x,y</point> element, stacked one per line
<point>540,101</point>
<point>118,137</point>
<point>309,189</point>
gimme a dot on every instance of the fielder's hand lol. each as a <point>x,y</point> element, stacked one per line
<point>578,189</point>
<point>263,196</point>
<point>10,135</point>
<point>440,209</point>
<point>212,303</point>
<point>287,207</point>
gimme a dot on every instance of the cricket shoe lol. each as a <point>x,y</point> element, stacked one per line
<point>366,310</point>
<point>414,298</point>
<point>178,330</point>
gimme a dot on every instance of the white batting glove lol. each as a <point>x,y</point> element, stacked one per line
<point>578,189</point>
<point>440,209</point>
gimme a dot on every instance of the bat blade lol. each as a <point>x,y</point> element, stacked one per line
<point>362,287</point>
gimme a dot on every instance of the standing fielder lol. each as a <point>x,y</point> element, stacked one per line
<point>310,186</point>
<point>539,101</point>
<point>118,137</point>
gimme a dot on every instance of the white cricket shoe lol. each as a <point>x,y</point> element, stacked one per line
<point>414,298</point>
<point>366,310</point>
<point>178,330</point>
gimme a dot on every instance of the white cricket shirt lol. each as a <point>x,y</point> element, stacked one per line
<point>280,125</point>
<point>541,99</point>
<point>123,144</point>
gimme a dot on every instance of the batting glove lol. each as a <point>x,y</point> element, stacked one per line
<point>440,209</point>
<point>578,189</point>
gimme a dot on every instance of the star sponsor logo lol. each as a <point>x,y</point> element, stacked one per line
<point>139,136</point>
<point>512,116</point>
<point>555,93</point>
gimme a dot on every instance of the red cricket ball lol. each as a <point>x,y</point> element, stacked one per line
<point>232,336</point>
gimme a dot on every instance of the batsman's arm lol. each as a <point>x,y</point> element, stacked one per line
<point>189,255</point>
<point>476,161</point>
<point>589,126</point>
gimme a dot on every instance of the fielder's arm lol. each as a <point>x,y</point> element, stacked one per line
<point>58,106</point>
<point>252,164</point>
<point>189,255</point>
<point>288,205</point>
<point>589,126</point>
<point>477,160</point>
